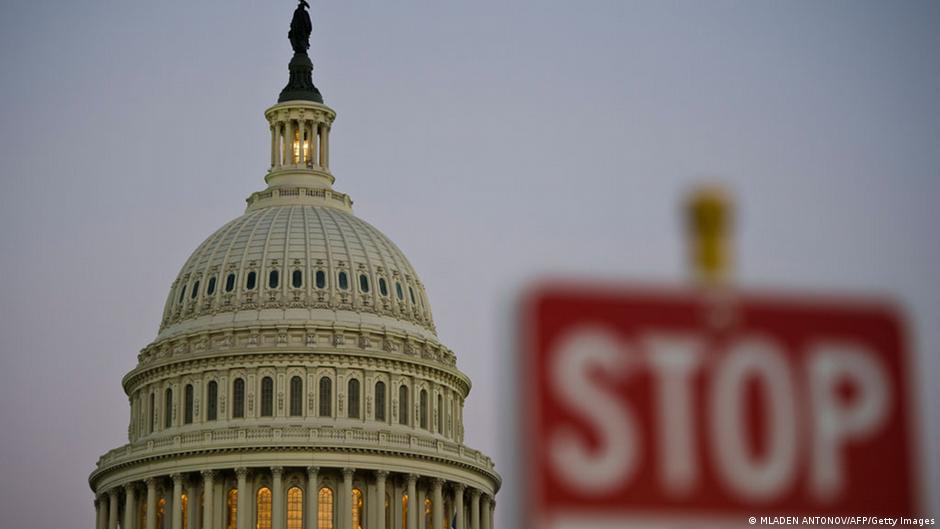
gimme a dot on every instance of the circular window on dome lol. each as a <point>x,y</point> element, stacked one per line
<point>343,281</point>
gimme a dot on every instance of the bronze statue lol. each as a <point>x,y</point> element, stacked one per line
<point>300,28</point>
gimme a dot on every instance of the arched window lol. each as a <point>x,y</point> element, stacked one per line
<point>168,408</point>
<point>427,513</point>
<point>363,283</point>
<point>230,283</point>
<point>295,508</point>
<point>211,288</point>
<point>404,510</point>
<point>251,281</point>
<point>423,405</point>
<point>195,291</point>
<point>325,509</point>
<point>383,287</point>
<point>411,293</point>
<point>153,413</point>
<point>212,398</point>
<point>231,508</point>
<point>343,281</point>
<point>263,508</point>
<point>182,293</point>
<point>380,401</point>
<point>358,507</point>
<point>238,398</point>
<point>326,397</point>
<point>297,279</point>
<point>321,279</point>
<point>161,511</point>
<point>440,413</point>
<point>352,393</point>
<point>403,405</point>
<point>188,404</point>
<point>388,509</point>
<point>296,396</point>
<point>274,279</point>
<point>184,507</point>
<point>267,397</point>
<point>398,291</point>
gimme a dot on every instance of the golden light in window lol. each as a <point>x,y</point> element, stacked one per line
<point>427,513</point>
<point>357,508</point>
<point>295,508</point>
<point>263,507</point>
<point>325,508</point>
<point>232,505</point>
<point>184,505</point>
<point>161,509</point>
<point>404,510</point>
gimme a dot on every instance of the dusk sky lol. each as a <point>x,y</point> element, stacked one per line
<point>494,142</point>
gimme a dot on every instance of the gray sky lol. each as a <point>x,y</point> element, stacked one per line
<point>493,141</point>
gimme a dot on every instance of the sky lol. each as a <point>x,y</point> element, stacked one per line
<point>494,142</point>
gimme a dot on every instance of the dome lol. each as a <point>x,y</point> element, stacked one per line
<point>297,264</point>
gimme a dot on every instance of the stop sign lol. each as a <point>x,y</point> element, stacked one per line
<point>649,405</point>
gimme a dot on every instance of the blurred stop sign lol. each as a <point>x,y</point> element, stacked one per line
<point>654,405</point>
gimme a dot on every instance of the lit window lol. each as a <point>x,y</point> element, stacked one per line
<point>383,288</point>
<point>343,281</point>
<point>427,512</point>
<point>380,401</point>
<point>363,283</point>
<point>263,508</point>
<point>267,397</point>
<point>211,288</point>
<point>251,281</point>
<point>188,412</point>
<point>274,278</point>
<point>212,406</point>
<point>403,405</point>
<point>168,408</point>
<point>357,508</point>
<point>195,291</point>
<point>404,510</point>
<point>230,283</point>
<point>325,509</point>
<point>232,508</point>
<point>321,279</point>
<point>238,398</point>
<point>352,388</point>
<point>295,508</point>
<point>326,397</point>
<point>297,279</point>
<point>296,396</point>
<point>423,404</point>
<point>161,511</point>
<point>184,507</point>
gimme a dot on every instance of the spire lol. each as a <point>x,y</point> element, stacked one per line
<point>300,86</point>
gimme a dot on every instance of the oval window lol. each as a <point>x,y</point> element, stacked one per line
<point>297,279</point>
<point>343,281</point>
<point>321,279</point>
<point>383,288</point>
<point>363,283</point>
<point>273,279</point>
<point>211,289</point>
<point>411,292</point>
<point>182,293</point>
<point>195,291</point>
<point>230,283</point>
<point>398,291</point>
<point>251,281</point>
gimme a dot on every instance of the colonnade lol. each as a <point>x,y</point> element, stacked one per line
<point>149,504</point>
<point>300,142</point>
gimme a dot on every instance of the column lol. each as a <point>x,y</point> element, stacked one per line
<point>458,504</point>
<point>475,509</point>
<point>112,509</point>
<point>324,146</point>
<point>151,503</point>
<point>493,513</point>
<point>380,478</point>
<point>345,520</point>
<point>278,505</point>
<point>208,499</point>
<point>419,511</point>
<point>437,503</point>
<point>99,512</point>
<point>130,506</point>
<point>485,514</point>
<point>243,496</point>
<point>314,137</point>
<point>192,504</point>
<point>285,143</point>
<point>176,504</point>
<point>312,498</point>
<point>412,502</point>
<point>273,145</point>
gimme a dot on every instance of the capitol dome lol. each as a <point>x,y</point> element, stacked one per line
<point>297,380</point>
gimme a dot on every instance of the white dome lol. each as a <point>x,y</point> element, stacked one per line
<point>297,263</point>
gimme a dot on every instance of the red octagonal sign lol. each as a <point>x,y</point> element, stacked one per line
<point>682,408</point>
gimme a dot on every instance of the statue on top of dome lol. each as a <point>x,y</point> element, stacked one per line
<point>300,28</point>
